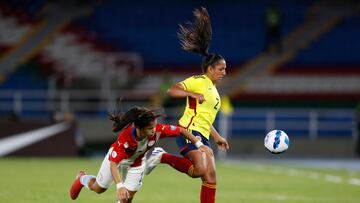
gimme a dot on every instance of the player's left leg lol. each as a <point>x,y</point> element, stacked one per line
<point>208,188</point>
<point>154,159</point>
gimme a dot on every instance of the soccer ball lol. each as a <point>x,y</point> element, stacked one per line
<point>276,141</point>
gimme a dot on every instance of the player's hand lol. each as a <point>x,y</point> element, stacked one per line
<point>222,144</point>
<point>123,194</point>
<point>199,97</point>
<point>206,150</point>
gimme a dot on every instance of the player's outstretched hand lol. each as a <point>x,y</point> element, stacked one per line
<point>208,151</point>
<point>123,194</point>
<point>222,143</point>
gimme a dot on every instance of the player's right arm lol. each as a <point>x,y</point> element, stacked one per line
<point>117,154</point>
<point>122,193</point>
<point>186,134</point>
<point>179,90</point>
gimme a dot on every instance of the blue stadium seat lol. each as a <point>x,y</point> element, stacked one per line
<point>238,28</point>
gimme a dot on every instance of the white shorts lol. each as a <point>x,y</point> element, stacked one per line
<point>131,176</point>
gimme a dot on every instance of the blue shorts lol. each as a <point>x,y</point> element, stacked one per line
<point>186,146</point>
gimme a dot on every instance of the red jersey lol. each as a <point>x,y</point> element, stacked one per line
<point>128,151</point>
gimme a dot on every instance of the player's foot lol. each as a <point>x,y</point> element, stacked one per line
<point>154,159</point>
<point>76,186</point>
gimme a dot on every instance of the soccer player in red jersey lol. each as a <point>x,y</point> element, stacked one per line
<point>203,103</point>
<point>139,132</point>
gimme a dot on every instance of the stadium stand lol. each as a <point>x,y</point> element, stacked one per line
<point>16,21</point>
<point>336,52</point>
<point>238,29</point>
<point>324,67</point>
<point>329,68</point>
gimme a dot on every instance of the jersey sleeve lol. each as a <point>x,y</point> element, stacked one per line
<point>191,84</point>
<point>169,131</point>
<point>117,152</point>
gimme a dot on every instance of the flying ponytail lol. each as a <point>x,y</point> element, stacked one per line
<point>195,37</point>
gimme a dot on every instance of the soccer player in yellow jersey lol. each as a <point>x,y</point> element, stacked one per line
<point>202,105</point>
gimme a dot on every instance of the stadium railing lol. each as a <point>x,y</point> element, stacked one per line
<point>298,122</point>
<point>244,122</point>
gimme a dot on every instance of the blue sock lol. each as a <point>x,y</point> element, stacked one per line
<point>84,180</point>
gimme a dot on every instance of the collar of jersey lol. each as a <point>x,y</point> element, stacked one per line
<point>133,132</point>
<point>208,79</point>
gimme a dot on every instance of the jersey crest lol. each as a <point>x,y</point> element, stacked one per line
<point>151,143</point>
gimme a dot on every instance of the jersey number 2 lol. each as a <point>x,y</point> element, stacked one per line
<point>217,103</point>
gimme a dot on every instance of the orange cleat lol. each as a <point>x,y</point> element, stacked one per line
<point>76,186</point>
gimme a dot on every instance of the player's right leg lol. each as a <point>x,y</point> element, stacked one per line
<point>204,165</point>
<point>199,162</point>
<point>208,188</point>
<point>97,184</point>
<point>77,185</point>
<point>191,152</point>
<point>104,178</point>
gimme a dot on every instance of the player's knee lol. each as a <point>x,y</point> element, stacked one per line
<point>126,200</point>
<point>210,177</point>
<point>100,191</point>
<point>97,189</point>
<point>211,181</point>
<point>199,171</point>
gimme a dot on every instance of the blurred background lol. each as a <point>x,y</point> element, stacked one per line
<point>292,65</point>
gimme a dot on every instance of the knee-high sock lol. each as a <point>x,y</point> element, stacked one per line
<point>84,180</point>
<point>181,164</point>
<point>207,194</point>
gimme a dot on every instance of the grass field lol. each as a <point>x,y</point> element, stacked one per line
<point>49,180</point>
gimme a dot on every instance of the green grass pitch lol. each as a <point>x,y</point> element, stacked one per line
<point>37,180</point>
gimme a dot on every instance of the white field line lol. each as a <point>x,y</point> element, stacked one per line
<point>281,198</point>
<point>333,178</point>
<point>303,173</point>
<point>354,181</point>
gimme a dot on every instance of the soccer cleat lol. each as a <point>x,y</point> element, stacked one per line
<point>154,159</point>
<point>76,186</point>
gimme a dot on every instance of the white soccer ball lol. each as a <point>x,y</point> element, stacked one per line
<point>276,141</point>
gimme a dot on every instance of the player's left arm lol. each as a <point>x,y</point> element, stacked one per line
<point>219,140</point>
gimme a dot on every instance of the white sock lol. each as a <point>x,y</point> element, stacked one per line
<point>84,180</point>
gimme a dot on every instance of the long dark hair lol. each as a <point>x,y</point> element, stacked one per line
<point>195,37</point>
<point>140,116</point>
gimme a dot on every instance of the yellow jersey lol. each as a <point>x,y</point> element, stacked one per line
<point>200,117</point>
